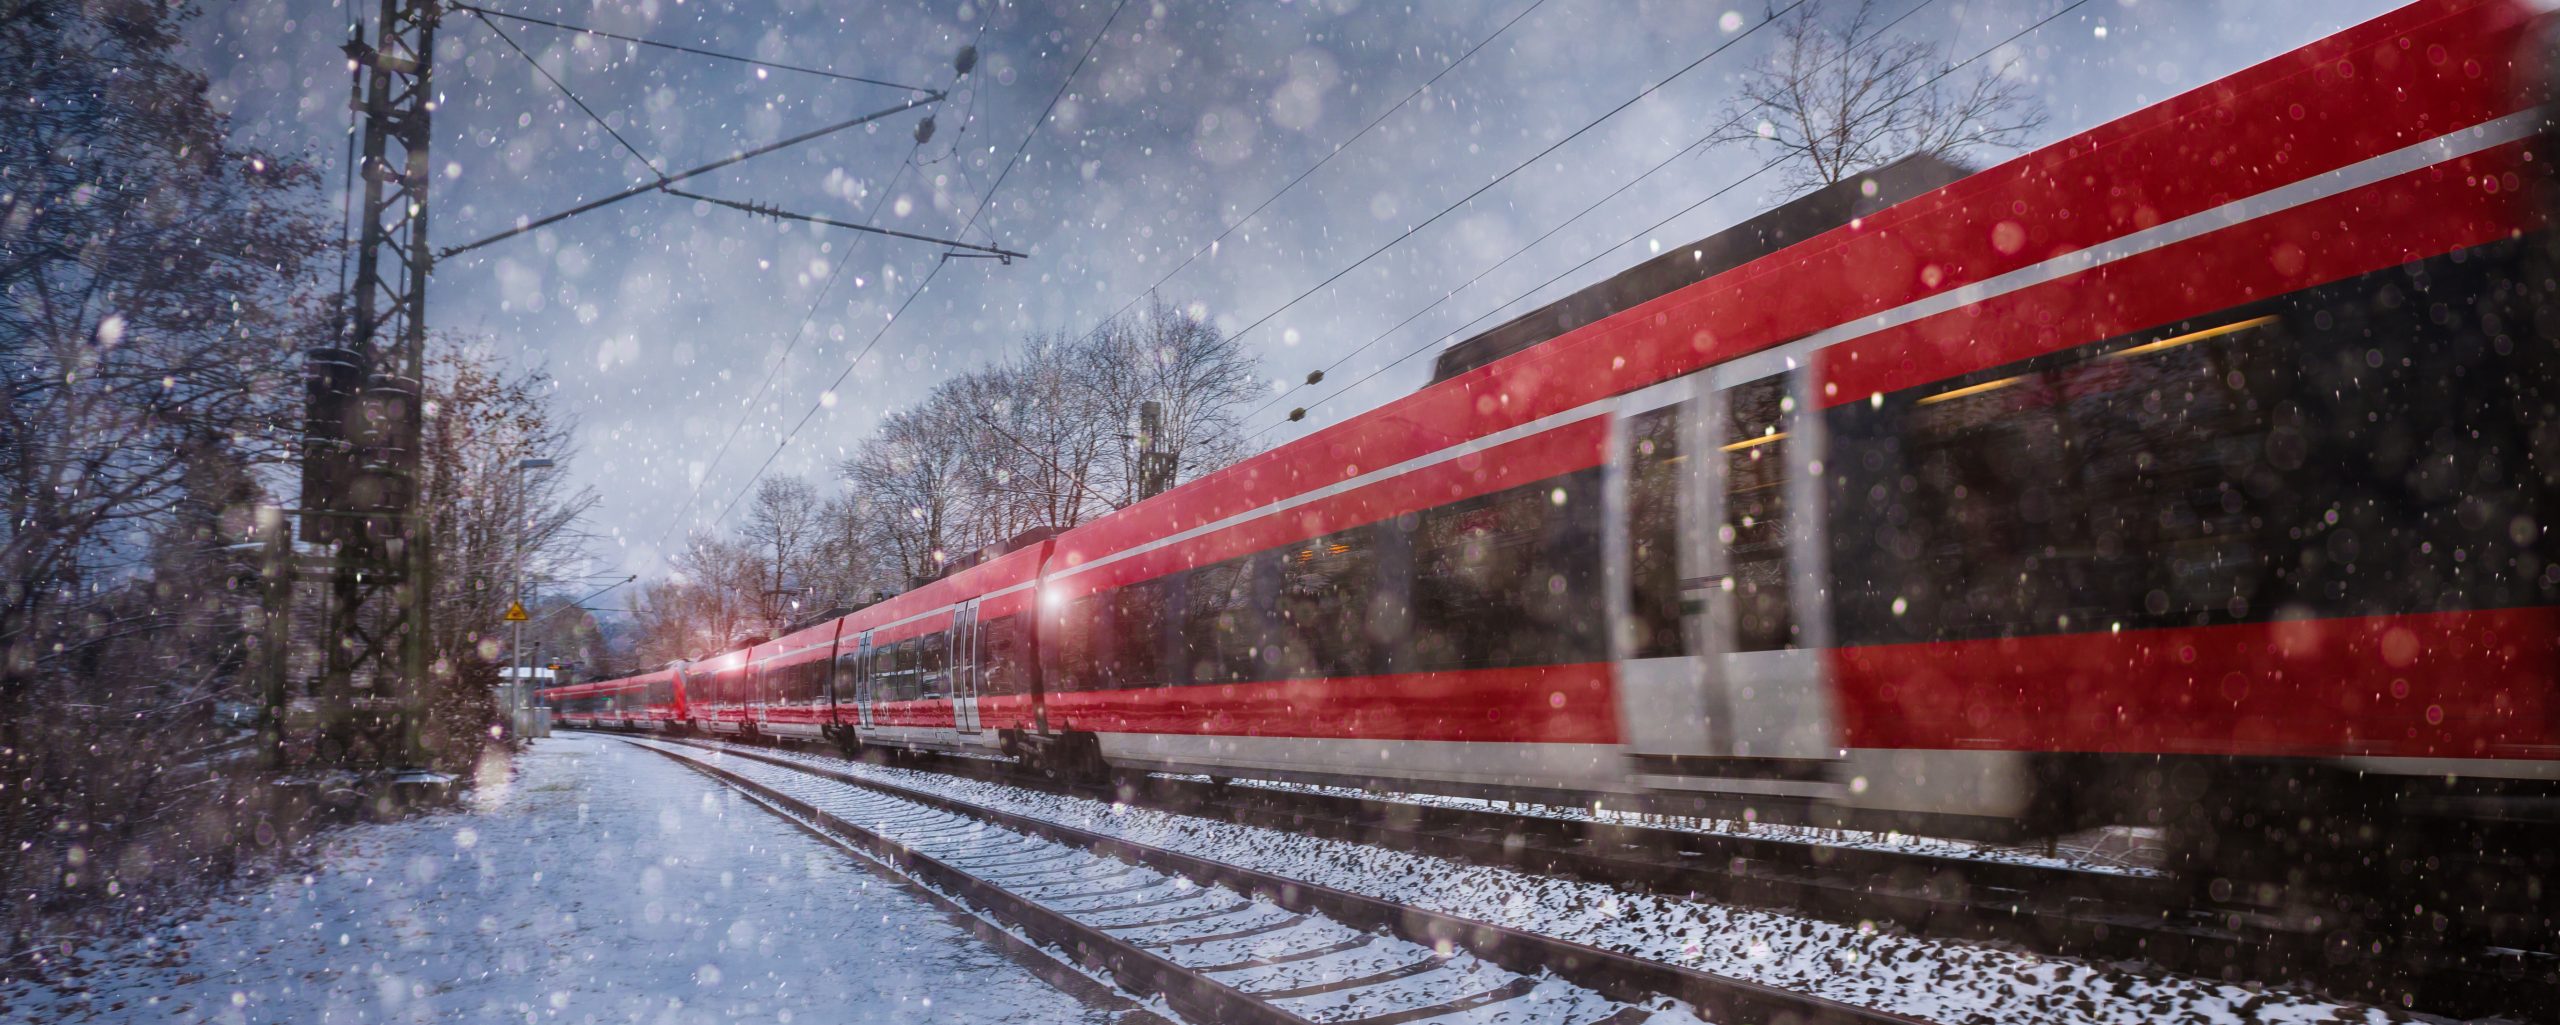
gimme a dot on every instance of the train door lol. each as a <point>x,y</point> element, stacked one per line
<point>865,678</point>
<point>1716,551</point>
<point>760,689</point>
<point>964,668</point>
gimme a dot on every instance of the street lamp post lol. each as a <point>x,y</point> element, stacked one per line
<point>519,689</point>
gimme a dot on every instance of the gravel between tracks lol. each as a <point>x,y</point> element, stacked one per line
<point>1936,979</point>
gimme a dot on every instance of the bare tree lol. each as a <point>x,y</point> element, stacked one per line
<point>707,605</point>
<point>1046,438</point>
<point>492,521</point>
<point>782,525</point>
<point>911,474</point>
<point>1174,357</point>
<point>848,567</point>
<point>1036,439</point>
<point>1837,100</point>
<point>154,279</point>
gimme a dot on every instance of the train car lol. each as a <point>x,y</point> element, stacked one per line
<point>651,701</point>
<point>2213,439</point>
<point>789,693</point>
<point>720,690</point>
<point>579,705</point>
<point>949,666</point>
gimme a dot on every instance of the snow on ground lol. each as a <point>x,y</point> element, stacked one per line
<point>1940,980</point>
<point>601,884</point>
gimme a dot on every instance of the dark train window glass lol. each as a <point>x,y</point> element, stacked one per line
<point>1074,644</point>
<point>1137,636</point>
<point>1753,444</point>
<point>1510,578</point>
<point>1220,630</point>
<point>1655,469</point>
<point>847,664</point>
<point>1320,616</point>
<point>1004,653</point>
<point>901,684</point>
<point>933,665</point>
<point>2362,448</point>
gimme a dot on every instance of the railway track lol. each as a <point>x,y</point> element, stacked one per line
<point>1225,943</point>
<point>2087,914</point>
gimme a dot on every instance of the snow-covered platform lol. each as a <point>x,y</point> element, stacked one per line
<point>601,883</point>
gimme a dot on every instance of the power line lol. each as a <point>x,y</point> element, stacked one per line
<point>1568,222</point>
<point>1337,150</point>
<point>1684,211</point>
<point>1506,176</point>
<point>486,13</point>
<point>556,83</point>
<point>769,210</point>
<point>1043,119</point>
<point>747,411</point>
<point>1028,134</point>
<point>733,158</point>
<point>824,289</point>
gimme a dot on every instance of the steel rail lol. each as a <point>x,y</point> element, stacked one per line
<point>1610,973</point>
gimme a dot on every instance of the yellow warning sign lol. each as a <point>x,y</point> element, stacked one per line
<point>515,612</point>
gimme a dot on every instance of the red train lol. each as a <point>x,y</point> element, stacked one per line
<point>2197,469</point>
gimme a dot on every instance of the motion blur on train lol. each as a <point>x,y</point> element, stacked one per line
<point>2196,472</point>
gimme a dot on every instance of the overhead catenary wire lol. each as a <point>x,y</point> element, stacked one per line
<point>485,13</point>
<point>768,210</point>
<point>676,518</point>
<point>744,206</point>
<point>556,83</point>
<point>748,410</point>
<point>1506,175</point>
<point>1230,229</point>
<point>1702,139</point>
<point>1658,225</point>
<point>733,158</point>
<point>1338,149</point>
<point>1028,134</point>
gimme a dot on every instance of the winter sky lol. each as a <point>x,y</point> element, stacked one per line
<point>661,317</point>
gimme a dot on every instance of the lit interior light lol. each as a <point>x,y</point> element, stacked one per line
<point>1755,442</point>
<point>2192,336</point>
<point>1971,389</point>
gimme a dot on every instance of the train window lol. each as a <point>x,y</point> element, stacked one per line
<point>1754,445</point>
<point>1510,578</point>
<point>1137,637</point>
<point>1220,631</point>
<point>900,682</point>
<point>2283,456</point>
<point>1075,644</point>
<point>1004,645</point>
<point>1327,587</point>
<point>848,666</point>
<point>933,665</point>
<point>809,680</point>
<point>1654,472</point>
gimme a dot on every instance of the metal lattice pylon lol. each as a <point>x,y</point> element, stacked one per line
<point>362,457</point>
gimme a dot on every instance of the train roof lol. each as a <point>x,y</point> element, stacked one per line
<point>2173,159</point>
<point>1679,267</point>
